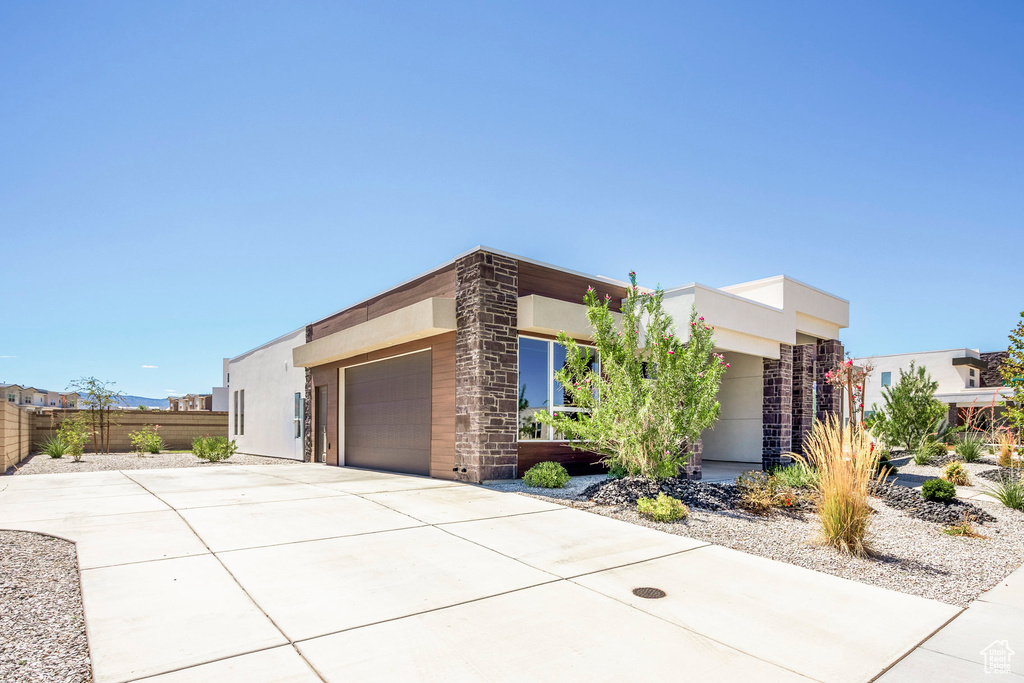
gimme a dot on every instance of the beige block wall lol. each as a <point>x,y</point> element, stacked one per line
<point>15,435</point>
<point>176,429</point>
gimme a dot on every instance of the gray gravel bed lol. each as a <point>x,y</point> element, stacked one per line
<point>571,491</point>
<point>95,462</point>
<point>42,627</point>
<point>912,555</point>
<point>914,504</point>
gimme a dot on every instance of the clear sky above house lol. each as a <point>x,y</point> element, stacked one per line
<point>183,181</point>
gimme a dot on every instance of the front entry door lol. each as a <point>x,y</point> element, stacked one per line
<point>320,429</point>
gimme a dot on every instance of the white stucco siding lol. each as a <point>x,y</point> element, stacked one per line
<point>270,382</point>
<point>939,365</point>
<point>737,434</point>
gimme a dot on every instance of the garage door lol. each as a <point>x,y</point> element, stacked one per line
<point>387,414</point>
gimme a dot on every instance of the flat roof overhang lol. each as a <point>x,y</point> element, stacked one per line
<point>971,362</point>
<point>422,319</point>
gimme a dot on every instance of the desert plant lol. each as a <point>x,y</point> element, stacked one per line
<point>956,473</point>
<point>656,391</point>
<point>965,528</point>
<point>74,432</point>
<point>147,440</point>
<point>1009,491</point>
<point>927,450</point>
<point>664,508</point>
<point>1006,444</point>
<point>100,399</point>
<point>911,410</point>
<point>969,447</point>
<point>54,447</point>
<point>799,475</point>
<point>938,491</point>
<point>547,475</point>
<point>847,470</point>
<point>213,448</point>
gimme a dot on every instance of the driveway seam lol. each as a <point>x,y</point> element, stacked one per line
<point>240,586</point>
<point>920,646</point>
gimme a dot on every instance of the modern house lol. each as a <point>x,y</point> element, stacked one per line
<point>968,380</point>
<point>39,398</point>
<point>440,375</point>
<point>190,402</point>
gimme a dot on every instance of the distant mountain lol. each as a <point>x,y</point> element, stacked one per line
<point>136,401</point>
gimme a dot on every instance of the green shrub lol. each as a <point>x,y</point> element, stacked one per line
<point>664,508</point>
<point>798,475</point>
<point>74,432</point>
<point>938,490</point>
<point>146,440</point>
<point>546,475</point>
<point>956,473</point>
<point>970,447</point>
<point>1009,491</point>
<point>213,448</point>
<point>55,447</point>
<point>928,449</point>
<point>760,492</point>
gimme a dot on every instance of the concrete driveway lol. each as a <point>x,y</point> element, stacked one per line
<point>307,572</point>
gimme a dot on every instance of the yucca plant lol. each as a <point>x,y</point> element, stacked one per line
<point>1009,491</point>
<point>956,473</point>
<point>55,447</point>
<point>847,469</point>
<point>969,447</point>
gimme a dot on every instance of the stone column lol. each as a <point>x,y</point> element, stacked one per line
<point>803,394</point>
<point>777,409</point>
<point>307,417</point>
<point>486,367</point>
<point>829,397</point>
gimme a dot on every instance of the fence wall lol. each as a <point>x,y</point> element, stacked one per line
<point>176,429</point>
<point>15,435</point>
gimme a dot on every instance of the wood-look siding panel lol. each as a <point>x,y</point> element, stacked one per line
<point>556,284</point>
<point>576,462</point>
<point>440,283</point>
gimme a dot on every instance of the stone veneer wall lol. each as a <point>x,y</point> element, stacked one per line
<point>803,394</point>
<point>777,417</point>
<point>486,366</point>
<point>307,417</point>
<point>991,377</point>
<point>830,399</point>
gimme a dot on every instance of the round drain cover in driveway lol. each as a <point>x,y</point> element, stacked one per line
<point>649,593</point>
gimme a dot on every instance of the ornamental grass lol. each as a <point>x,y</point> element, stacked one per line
<point>847,468</point>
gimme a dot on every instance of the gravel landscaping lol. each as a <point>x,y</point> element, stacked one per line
<point>92,462</point>
<point>912,554</point>
<point>42,627</point>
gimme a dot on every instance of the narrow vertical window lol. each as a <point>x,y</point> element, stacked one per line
<point>236,413</point>
<point>886,379</point>
<point>241,412</point>
<point>299,400</point>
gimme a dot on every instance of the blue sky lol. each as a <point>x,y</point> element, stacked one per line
<point>183,181</point>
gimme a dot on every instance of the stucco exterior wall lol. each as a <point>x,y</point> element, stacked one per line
<point>938,363</point>
<point>270,382</point>
<point>737,434</point>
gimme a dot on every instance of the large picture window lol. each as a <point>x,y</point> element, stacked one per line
<point>539,391</point>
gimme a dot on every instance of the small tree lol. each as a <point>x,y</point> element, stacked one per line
<point>1012,372</point>
<point>911,409</point>
<point>851,379</point>
<point>99,399</point>
<point>655,393</point>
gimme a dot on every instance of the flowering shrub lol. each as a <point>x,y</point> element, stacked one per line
<point>655,393</point>
<point>146,440</point>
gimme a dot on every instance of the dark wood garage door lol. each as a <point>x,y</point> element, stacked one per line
<point>387,414</point>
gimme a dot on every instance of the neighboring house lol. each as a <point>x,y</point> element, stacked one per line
<point>968,380</point>
<point>427,376</point>
<point>221,403</point>
<point>190,402</point>
<point>38,398</point>
<point>267,399</point>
